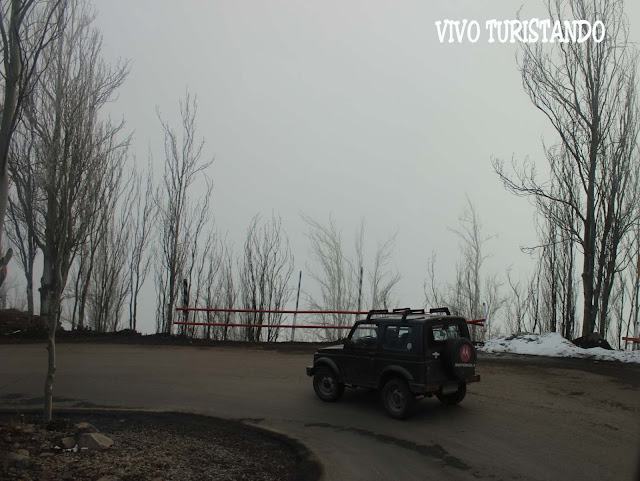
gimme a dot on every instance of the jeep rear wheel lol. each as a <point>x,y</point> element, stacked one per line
<point>326,385</point>
<point>453,398</point>
<point>397,398</point>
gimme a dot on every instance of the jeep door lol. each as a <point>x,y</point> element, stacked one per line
<point>400,350</point>
<point>437,336</point>
<point>360,351</point>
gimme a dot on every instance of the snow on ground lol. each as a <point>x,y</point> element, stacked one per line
<point>554,345</point>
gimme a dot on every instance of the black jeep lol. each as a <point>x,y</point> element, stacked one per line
<point>406,354</point>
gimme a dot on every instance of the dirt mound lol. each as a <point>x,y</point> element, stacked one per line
<point>89,335</point>
<point>592,340</point>
<point>13,321</point>
<point>151,446</point>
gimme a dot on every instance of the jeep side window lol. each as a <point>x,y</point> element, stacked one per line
<point>364,336</point>
<point>445,333</point>
<point>399,338</point>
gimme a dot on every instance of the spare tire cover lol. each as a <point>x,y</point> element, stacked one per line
<point>461,358</point>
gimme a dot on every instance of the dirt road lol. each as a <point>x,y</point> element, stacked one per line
<point>530,419</point>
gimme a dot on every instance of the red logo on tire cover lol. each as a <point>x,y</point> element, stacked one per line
<point>465,353</point>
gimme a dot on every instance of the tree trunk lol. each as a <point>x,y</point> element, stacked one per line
<point>48,305</point>
<point>48,310</point>
<point>588,318</point>
<point>168,328</point>
<point>4,195</point>
<point>13,67</point>
<point>85,291</point>
<point>636,319</point>
<point>51,370</point>
<point>133,303</point>
<point>569,319</point>
<point>30,306</point>
<point>604,307</point>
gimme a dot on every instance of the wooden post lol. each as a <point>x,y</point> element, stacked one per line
<point>185,301</point>
<point>359,291</point>
<point>636,327</point>
<point>293,329</point>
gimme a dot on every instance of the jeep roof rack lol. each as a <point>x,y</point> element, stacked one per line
<point>411,311</point>
<point>440,310</point>
<point>376,311</point>
<point>405,311</point>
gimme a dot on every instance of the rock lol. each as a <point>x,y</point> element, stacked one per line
<point>15,446</point>
<point>23,452</point>
<point>67,443</point>
<point>15,460</point>
<point>7,438</point>
<point>46,455</point>
<point>85,428</point>
<point>28,429</point>
<point>592,340</point>
<point>94,441</point>
<point>109,478</point>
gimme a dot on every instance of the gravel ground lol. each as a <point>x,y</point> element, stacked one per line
<point>153,447</point>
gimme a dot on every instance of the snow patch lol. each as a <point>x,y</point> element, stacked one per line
<point>554,345</point>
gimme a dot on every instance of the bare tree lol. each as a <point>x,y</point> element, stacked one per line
<point>91,254</point>
<point>141,239</point>
<point>109,283</point>
<point>180,220</point>
<point>339,275</point>
<point>84,265</point>
<point>588,92</point>
<point>627,295</point>
<point>27,27</point>
<point>25,201</point>
<point>227,291</point>
<point>265,271</point>
<point>517,305</point>
<point>76,151</point>
<point>209,276</point>
<point>634,314</point>
<point>10,295</point>
<point>216,288</point>
<point>106,280</point>
<point>555,294</point>
<point>472,292</point>
<point>382,278</point>
<point>200,248</point>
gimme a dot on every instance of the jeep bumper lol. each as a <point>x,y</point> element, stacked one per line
<point>424,388</point>
<point>311,370</point>
<point>471,379</point>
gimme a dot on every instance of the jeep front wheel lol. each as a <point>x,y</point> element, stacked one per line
<point>326,385</point>
<point>455,397</point>
<point>397,398</point>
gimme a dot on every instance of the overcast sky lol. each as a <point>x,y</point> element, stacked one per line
<point>345,108</point>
